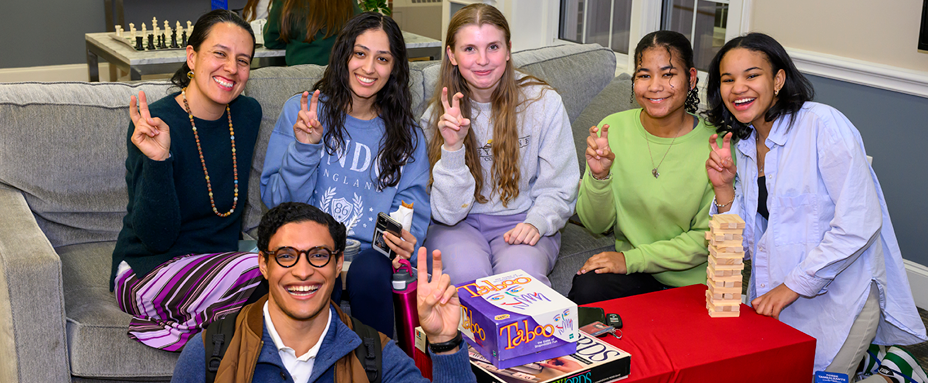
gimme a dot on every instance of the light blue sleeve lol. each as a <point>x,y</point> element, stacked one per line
<point>191,365</point>
<point>412,188</point>
<point>290,167</point>
<point>858,216</point>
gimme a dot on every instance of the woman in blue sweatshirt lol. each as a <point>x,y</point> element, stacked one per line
<point>353,149</point>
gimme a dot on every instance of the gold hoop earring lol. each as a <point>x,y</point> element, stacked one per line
<point>190,75</point>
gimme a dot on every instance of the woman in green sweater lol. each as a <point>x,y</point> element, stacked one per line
<point>646,180</point>
<point>307,28</point>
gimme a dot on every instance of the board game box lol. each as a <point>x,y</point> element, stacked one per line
<point>594,362</point>
<point>513,319</point>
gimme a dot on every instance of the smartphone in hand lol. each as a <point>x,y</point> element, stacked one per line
<point>385,224</point>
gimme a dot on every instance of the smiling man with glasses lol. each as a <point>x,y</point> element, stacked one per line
<point>296,334</point>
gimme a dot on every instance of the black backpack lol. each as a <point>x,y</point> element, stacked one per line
<point>219,333</point>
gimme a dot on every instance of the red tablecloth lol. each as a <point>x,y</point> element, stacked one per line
<point>672,339</point>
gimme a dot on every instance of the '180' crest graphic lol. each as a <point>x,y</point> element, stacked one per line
<point>343,211</point>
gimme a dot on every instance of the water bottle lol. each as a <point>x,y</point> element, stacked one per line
<point>404,307</point>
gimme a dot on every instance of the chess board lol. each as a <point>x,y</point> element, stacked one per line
<point>154,39</point>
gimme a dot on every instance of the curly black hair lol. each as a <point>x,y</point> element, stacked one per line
<point>394,101</point>
<point>795,92</point>
<point>289,212</point>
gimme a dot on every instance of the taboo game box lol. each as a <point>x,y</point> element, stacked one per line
<point>513,319</point>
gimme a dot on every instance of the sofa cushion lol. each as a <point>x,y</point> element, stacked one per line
<point>577,245</point>
<point>98,346</point>
<point>615,97</point>
<point>64,147</point>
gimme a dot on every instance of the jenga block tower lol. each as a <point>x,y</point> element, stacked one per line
<point>725,235</point>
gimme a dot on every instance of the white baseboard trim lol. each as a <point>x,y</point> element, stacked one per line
<point>69,72</point>
<point>860,72</point>
<point>918,282</point>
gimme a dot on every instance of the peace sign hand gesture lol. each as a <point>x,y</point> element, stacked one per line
<point>437,301</point>
<point>452,125</point>
<point>307,128</point>
<point>599,156</point>
<point>720,167</point>
<point>151,135</point>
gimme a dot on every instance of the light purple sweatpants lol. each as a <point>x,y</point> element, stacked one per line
<point>474,248</point>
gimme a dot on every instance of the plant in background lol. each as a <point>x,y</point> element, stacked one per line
<point>379,6</point>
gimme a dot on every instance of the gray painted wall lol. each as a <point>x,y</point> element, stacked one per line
<point>51,32</point>
<point>894,127</point>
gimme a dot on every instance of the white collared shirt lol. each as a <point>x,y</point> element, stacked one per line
<point>300,368</point>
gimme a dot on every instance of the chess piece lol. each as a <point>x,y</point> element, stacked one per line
<point>144,30</point>
<point>189,28</point>
<point>183,38</point>
<point>174,39</point>
<point>154,24</point>
<point>151,42</point>
<point>138,43</point>
<point>167,26</point>
<point>164,41</point>
<point>131,29</point>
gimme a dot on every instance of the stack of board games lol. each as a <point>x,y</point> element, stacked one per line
<point>513,319</point>
<point>726,255</point>
<point>595,361</point>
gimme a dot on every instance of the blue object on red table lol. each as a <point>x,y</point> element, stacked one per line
<point>672,339</point>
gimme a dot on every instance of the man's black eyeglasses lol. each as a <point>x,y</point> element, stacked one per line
<point>318,256</point>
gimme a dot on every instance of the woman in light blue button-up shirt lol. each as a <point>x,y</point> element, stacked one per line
<point>827,237</point>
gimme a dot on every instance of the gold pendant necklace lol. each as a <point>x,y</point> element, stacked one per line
<point>654,171</point>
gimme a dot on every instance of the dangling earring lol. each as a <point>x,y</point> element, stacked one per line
<point>776,92</point>
<point>190,74</point>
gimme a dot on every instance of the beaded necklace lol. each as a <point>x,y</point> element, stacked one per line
<point>203,161</point>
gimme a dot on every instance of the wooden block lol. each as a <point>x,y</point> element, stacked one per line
<point>714,252</point>
<point>723,236</point>
<point>723,314</point>
<point>723,290</point>
<point>710,274</point>
<point>717,296</point>
<point>728,261</point>
<point>727,249</point>
<point>725,242</point>
<point>714,263</point>
<point>727,221</point>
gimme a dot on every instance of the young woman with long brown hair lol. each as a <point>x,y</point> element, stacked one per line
<point>504,173</point>
<point>307,28</point>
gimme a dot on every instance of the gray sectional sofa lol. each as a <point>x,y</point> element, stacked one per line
<point>63,197</point>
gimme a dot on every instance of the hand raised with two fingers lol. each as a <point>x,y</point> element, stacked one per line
<point>308,129</point>
<point>599,156</point>
<point>151,135</point>
<point>436,300</point>
<point>452,125</point>
<point>720,166</point>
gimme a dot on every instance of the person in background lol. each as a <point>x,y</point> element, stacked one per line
<point>176,266</point>
<point>824,255</point>
<point>307,28</point>
<point>645,180</point>
<point>503,167</point>
<point>255,10</point>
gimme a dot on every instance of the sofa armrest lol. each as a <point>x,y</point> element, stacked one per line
<point>32,320</point>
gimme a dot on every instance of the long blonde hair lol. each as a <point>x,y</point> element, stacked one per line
<point>329,16</point>
<point>505,100</point>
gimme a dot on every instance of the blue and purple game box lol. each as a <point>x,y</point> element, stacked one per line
<point>513,319</point>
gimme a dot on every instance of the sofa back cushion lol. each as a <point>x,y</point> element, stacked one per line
<point>63,145</point>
